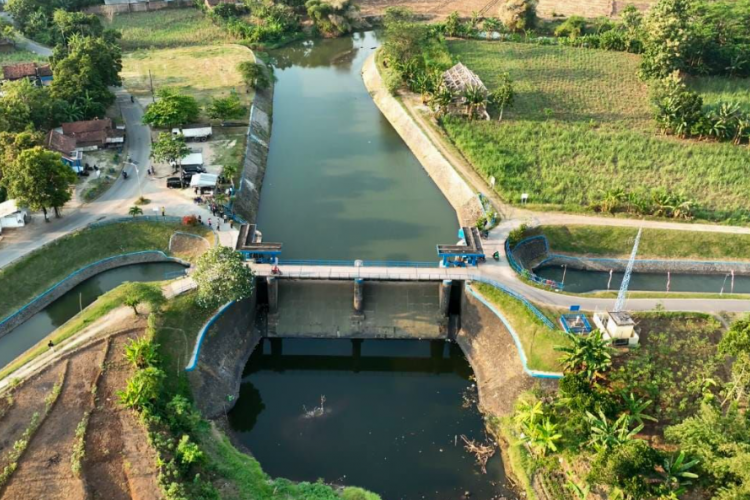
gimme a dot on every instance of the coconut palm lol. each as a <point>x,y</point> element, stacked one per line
<point>474,97</point>
<point>135,210</point>
<point>589,354</point>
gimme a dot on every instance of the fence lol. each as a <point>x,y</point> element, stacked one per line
<point>528,273</point>
<point>364,263</point>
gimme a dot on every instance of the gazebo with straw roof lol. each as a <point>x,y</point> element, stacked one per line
<point>458,79</point>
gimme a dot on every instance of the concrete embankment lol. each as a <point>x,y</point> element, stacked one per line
<point>456,190</point>
<point>59,289</point>
<point>534,252</point>
<point>256,152</point>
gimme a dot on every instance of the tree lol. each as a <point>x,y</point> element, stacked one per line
<point>440,100</point>
<point>491,25</point>
<point>222,277</point>
<point>23,105</point>
<point>669,33</point>
<point>83,72</point>
<point>170,148</point>
<point>518,15</point>
<point>141,352</point>
<point>135,210</point>
<point>139,293</point>
<point>589,354</point>
<point>474,97</point>
<point>737,339</point>
<point>504,95</point>
<point>226,108</point>
<point>254,75</point>
<point>171,110</point>
<point>67,24</point>
<point>39,179</point>
<point>629,468</point>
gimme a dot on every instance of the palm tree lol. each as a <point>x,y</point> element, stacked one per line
<point>440,100</point>
<point>606,435</point>
<point>135,210</point>
<point>543,436</point>
<point>677,475</point>
<point>589,354</point>
<point>635,408</point>
<point>474,97</point>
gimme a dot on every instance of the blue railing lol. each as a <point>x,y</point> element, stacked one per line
<point>531,307</point>
<point>528,273</point>
<point>365,263</point>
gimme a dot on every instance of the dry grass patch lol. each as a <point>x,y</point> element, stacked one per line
<point>203,71</point>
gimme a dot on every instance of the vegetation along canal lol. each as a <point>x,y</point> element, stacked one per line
<point>578,281</point>
<point>391,420</point>
<point>340,182</point>
<point>57,313</point>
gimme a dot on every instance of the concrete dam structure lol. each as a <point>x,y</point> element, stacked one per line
<point>358,309</point>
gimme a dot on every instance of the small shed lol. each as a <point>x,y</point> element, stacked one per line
<point>11,215</point>
<point>458,80</point>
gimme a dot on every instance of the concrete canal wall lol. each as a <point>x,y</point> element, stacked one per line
<point>534,252</point>
<point>456,190</point>
<point>256,152</point>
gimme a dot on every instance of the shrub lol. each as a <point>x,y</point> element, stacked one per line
<point>142,352</point>
<point>627,467</point>
<point>188,452</point>
<point>518,15</point>
<point>142,389</point>
<point>190,220</point>
<point>573,27</point>
<point>737,339</point>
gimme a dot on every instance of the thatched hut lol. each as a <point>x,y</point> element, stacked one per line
<point>459,80</point>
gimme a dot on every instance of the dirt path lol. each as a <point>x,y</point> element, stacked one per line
<point>44,471</point>
<point>27,399</point>
<point>118,463</point>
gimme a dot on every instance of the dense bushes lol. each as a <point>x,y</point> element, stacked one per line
<point>257,22</point>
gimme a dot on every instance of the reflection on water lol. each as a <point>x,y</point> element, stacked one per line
<point>391,420</point>
<point>340,182</point>
<point>577,281</point>
<point>56,314</point>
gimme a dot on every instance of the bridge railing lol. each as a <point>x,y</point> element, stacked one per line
<point>365,263</point>
<point>528,273</point>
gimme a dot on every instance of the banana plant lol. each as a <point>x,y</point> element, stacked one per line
<point>677,476</point>
<point>635,408</point>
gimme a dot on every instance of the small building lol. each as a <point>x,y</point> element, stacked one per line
<point>41,74</point>
<point>66,146</point>
<point>203,181</point>
<point>197,133</point>
<point>458,80</point>
<point>194,159</point>
<point>617,326</point>
<point>91,135</point>
<point>11,215</point>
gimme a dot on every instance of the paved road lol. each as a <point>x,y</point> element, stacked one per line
<point>25,43</point>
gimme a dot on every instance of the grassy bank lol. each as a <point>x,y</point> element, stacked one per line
<point>36,272</point>
<point>617,242</point>
<point>717,89</point>
<point>13,56</point>
<point>201,71</point>
<point>537,339</point>
<point>167,29</point>
<point>581,126</point>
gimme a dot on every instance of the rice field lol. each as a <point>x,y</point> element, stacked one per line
<point>166,29</point>
<point>581,125</point>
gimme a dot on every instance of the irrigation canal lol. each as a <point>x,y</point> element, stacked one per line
<point>26,335</point>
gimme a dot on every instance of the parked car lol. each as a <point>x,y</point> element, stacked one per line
<point>175,182</point>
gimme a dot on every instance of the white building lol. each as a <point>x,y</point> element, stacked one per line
<point>11,215</point>
<point>618,327</point>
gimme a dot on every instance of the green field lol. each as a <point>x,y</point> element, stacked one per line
<point>716,89</point>
<point>19,55</point>
<point>37,271</point>
<point>610,241</point>
<point>167,29</point>
<point>581,126</point>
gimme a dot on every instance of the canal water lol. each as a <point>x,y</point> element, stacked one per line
<point>54,315</point>
<point>391,421</point>
<point>340,182</point>
<point>577,281</point>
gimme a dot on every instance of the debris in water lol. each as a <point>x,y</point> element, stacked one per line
<point>482,452</point>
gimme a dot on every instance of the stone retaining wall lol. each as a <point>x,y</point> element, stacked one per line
<point>215,382</point>
<point>114,8</point>
<point>78,277</point>
<point>256,152</point>
<point>458,192</point>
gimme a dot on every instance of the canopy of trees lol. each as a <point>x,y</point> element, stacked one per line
<point>171,110</point>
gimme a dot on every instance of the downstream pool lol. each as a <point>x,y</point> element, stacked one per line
<point>340,182</point>
<point>54,315</point>
<point>577,281</point>
<point>391,421</point>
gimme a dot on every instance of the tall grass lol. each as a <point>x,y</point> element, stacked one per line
<point>19,55</point>
<point>167,29</point>
<point>718,89</point>
<point>580,126</point>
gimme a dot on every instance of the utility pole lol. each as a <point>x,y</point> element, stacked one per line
<point>151,83</point>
